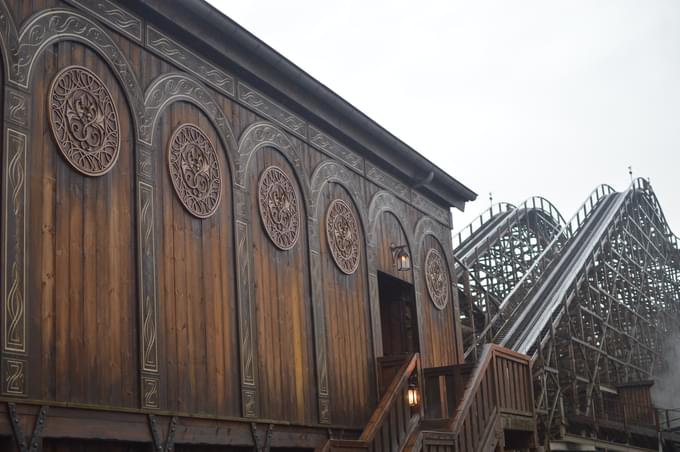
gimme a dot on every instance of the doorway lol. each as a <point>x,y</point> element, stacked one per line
<point>398,316</point>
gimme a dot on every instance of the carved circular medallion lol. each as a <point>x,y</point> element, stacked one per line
<point>279,207</point>
<point>195,170</point>
<point>437,278</point>
<point>343,236</point>
<point>84,120</point>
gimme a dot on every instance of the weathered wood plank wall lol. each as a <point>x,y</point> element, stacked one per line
<point>118,297</point>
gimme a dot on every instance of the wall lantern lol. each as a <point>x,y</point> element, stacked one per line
<point>401,257</point>
<point>413,398</point>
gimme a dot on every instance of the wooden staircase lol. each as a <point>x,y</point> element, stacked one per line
<point>393,421</point>
<point>466,408</point>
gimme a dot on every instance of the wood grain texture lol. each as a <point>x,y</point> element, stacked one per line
<point>83,253</point>
<point>438,331</point>
<point>347,323</point>
<point>287,388</point>
<point>82,273</point>
<point>196,268</point>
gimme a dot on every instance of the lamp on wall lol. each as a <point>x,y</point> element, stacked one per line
<point>413,397</point>
<point>401,257</point>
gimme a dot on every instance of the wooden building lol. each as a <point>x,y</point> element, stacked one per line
<point>201,248</point>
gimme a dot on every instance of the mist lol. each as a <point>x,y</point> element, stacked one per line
<point>666,389</point>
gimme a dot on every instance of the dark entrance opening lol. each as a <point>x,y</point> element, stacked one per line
<point>398,316</point>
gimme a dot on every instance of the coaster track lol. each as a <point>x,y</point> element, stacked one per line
<point>591,303</point>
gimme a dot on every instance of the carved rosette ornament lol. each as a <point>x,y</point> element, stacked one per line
<point>84,121</point>
<point>343,236</point>
<point>195,170</point>
<point>437,279</point>
<point>279,207</point>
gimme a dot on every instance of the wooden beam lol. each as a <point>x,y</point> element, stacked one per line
<point>87,424</point>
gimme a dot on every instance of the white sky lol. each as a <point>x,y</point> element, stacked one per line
<point>518,98</point>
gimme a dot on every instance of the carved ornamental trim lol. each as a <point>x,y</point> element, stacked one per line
<point>279,207</point>
<point>437,279</point>
<point>195,170</point>
<point>84,121</point>
<point>342,233</point>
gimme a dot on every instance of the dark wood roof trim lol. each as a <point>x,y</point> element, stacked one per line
<point>219,38</point>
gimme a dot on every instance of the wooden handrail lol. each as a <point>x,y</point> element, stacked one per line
<point>392,421</point>
<point>388,400</point>
<point>472,387</point>
<point>499,384</point>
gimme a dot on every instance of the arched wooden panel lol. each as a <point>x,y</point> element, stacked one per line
<point>285,354</point>
<point>82,301</point>
<point>199,341</point>
<point>389,232</point>
<point>348,328</point>
<point>438,347</point>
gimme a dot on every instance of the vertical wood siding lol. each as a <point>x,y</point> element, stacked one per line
<point>83,282</point>
<point>81,254</point>
<point>283,311</point>
<point>439,344</point>
<point>199,340</point>
<point>350,352</point>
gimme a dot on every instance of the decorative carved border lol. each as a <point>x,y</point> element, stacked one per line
<point>271,110</point>
<point>165,47</point>
<point>17,108</point>
<point>9,37</point>
<point>320,340</point>
<point>150,392</point>
<point>148,300</point>
<point>114,16</point>
<point>57,24</point>
<point>188,60</point>
<point>14,262</point>
<point>386,181</point>
<point>428,226</point>
<point>384,201</point>
<point>246,322</point>
<point>326,143</point>
<point>332,171</point>
<point>147,289</point>
<point>14,377</point>
<point>173,87</point>
<point>263,134</point>
<point>425,205</point>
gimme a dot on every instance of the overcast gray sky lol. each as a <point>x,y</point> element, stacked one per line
<point>518,98</point>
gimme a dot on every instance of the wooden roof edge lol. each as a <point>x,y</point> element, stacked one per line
<point>199,25</point>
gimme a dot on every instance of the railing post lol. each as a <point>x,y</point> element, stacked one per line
<point>496,393</point>
<point>421,386</point>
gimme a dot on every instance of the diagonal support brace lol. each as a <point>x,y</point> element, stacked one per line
<point>158,445</point>
<point>35,443</point>
<point>262,445</point>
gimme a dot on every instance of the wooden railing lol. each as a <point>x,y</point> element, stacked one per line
<point>393,420</point>
<point>444,388</point>
<point>513,382</point>
<point>500,384</point>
